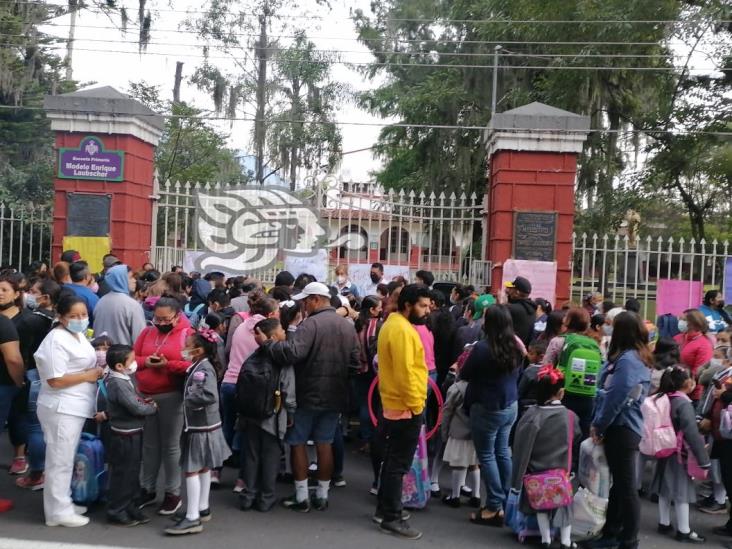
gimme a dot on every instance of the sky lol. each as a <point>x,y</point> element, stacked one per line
<point>106,56</point>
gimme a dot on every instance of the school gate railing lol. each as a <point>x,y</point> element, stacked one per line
<point>407,230</point>
<point>25,235</point>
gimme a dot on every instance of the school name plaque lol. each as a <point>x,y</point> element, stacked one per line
<point>535,236</point>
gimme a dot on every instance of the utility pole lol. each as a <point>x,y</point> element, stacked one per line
<point>70,44</point>
<point>260,134</point>
<point>495,79</point>
<point>177,81</point>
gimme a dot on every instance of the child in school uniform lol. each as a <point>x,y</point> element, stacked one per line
<point>203,446</point>
<point>126,410</point>
<point>672,482</point>
<point>264,437</point>
<point>527,383</point>
<point>542,443</point>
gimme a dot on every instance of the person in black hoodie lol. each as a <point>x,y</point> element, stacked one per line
<point>522,309</point>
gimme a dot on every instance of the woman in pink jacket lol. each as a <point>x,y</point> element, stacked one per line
<point>242,345</point>
<point>695,344</point>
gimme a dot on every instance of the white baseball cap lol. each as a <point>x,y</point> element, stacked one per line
<point>314,288</point>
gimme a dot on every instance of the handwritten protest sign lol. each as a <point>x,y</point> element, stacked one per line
<point>541,274</point>
<point>359,273</point>
<point>675,296</point>
<point>316,265</point>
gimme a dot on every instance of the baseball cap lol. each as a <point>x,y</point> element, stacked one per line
<point>110,261</point>
<point>521,284</point>
<point>481,304</point>
<point>314,288</point>
<point>70,256</point>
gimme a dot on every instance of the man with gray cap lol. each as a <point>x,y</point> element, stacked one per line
<point>323,349</point>
<point>118,314</point>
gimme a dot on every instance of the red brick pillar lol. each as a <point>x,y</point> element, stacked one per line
<point>532,168</point>
<point>105,146</point>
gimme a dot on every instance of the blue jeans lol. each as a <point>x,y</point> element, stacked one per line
<point>228,415</point>
<point>36,446</point>
<point>490,436</point>
<point>7,394</point>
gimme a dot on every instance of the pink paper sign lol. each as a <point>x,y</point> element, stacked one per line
<point>675,296</point>
<point>541,274</point>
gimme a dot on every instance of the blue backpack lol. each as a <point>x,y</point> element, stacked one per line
<point>667,325</point>
<point>89,479</point>
<point>194,316</point>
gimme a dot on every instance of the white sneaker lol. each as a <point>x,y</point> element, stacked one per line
<point>80,509</point>
<point>70,521</point>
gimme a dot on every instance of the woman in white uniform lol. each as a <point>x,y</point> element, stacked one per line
<point>66,364</point>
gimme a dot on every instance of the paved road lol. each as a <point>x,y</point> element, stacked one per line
<point>345,525</point>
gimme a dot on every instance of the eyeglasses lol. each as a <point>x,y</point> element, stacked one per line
<point>158,320</point>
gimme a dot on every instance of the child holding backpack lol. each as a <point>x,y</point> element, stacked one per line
<point>266,396</point>
<point>545,442</point>
<point>673,481</point>
<point>203,446</point>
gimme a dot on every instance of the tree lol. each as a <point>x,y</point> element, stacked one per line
<point>190,149</point>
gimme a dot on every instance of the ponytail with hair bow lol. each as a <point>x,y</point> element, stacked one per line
<point>548,371</point>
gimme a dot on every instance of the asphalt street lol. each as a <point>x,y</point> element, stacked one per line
<point>346,524</point>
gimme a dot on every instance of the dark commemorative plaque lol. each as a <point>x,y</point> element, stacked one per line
<point>88,214</point>
<point>534,236</point>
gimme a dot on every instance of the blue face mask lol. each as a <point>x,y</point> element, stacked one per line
<point>78,326</point>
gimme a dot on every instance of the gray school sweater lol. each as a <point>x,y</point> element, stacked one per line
<point>125,407</point>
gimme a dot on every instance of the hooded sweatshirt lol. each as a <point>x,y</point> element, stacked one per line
<point>196,308</point>
<point>523,314</point>
<point>168,379</point>
<point>243,344</point>
<point>117,314</point>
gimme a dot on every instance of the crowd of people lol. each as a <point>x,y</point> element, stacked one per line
<point>179,374</point>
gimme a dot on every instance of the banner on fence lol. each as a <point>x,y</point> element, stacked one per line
<point>189,264</point>
<point>359,273</point>
<point>675,296</point>
<point>541,274</point>
<point>316,265</point>
<point>728,279</point>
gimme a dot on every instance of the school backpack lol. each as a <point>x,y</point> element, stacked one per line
<point>659,436</point>
<point>258,387</point>
<point>668,326</point>
<point>416,484</point>
<point>580,361</point>
<point>194,316</point>
<point>89,477</point>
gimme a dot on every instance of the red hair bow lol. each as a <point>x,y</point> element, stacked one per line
<point>549,371</point>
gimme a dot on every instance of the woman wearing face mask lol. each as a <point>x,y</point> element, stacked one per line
<point>161,369</point>
<point>695,345</point>
<point>368,326</point>
<point>67,368</point>
<point>343,284</point>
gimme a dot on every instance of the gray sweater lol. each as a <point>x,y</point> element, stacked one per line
<point>201,398</point>
<point>120,316</point>
<point>455,422</point>
<point>125,407</point>
<point>541,441</point>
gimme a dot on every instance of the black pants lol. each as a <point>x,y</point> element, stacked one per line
<point>400,441</point>
<point>623,510</point>
<point>723,448</point>
<point>262,452</point>
<point>124,457</point>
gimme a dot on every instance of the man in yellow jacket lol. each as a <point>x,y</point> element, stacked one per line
<point>403,390</point>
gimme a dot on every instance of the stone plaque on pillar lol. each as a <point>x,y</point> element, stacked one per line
<point>535,236</point>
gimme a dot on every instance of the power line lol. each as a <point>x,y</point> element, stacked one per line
<point>503,21</point>
<point>391,124</point>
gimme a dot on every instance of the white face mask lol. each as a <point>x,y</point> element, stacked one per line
<point>132,368</point>
<point>31,302</point>
<point>683,326</point>
<point>607,329</point>
<point>341,279</point>
<point>186,355</point>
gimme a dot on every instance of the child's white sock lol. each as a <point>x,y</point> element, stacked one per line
<point>473,481</point>
<point>193,495</point>
<point>664,511</point>
<point>544,527</point>
<point>682,517</point>
<point>720,494</point>
<point>205,490</point>
<point>321,491</point>
<point>565,533</point>
<point>458,479</point>
<point>435,473</point>
<point>301,490</point>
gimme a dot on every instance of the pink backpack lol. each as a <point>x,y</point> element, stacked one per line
<point>659,437</point>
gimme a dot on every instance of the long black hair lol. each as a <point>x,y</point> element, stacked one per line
<point>673,379</point>
<point>209,347</point>
<point>364,315</point>
<point>629,334</point>
<point>501,338</point>
<point>554,321</point>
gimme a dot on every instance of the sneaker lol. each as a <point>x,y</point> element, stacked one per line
<point>30,483</point>
<point>6,505</point>
<point>239,486</point>
<point>400,528</point>
<point>299,506</point>
<point>71,521</point>
<point>339,481</point>
<point>378,518</point>
<point>170,505</point>
<point>320,504</point>
<point>19,466</point>
<point>180,514</point>
<point>215,479</point>
<point>691,537</point>
<point>713,508</point>
<point>122,519</point>
<point>138,515</point>
<point>185,526</point>
<point>146,498</point>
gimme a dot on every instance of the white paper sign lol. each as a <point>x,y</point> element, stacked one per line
<point>316,265</point>
<point>359,273</point>
<point>189,259</point>
<point>541,274</point>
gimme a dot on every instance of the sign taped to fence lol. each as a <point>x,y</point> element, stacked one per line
<point>541,274</point>
<point>359,273</point>
<point>190,258</point>
<point>316,265</point>
<point>676,296</point>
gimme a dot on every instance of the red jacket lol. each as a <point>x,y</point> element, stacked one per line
<point>169,379</point>
<point>696,351</point>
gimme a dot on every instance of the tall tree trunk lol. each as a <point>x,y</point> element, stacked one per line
<point>177,81</point>
<point>260,133</point>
